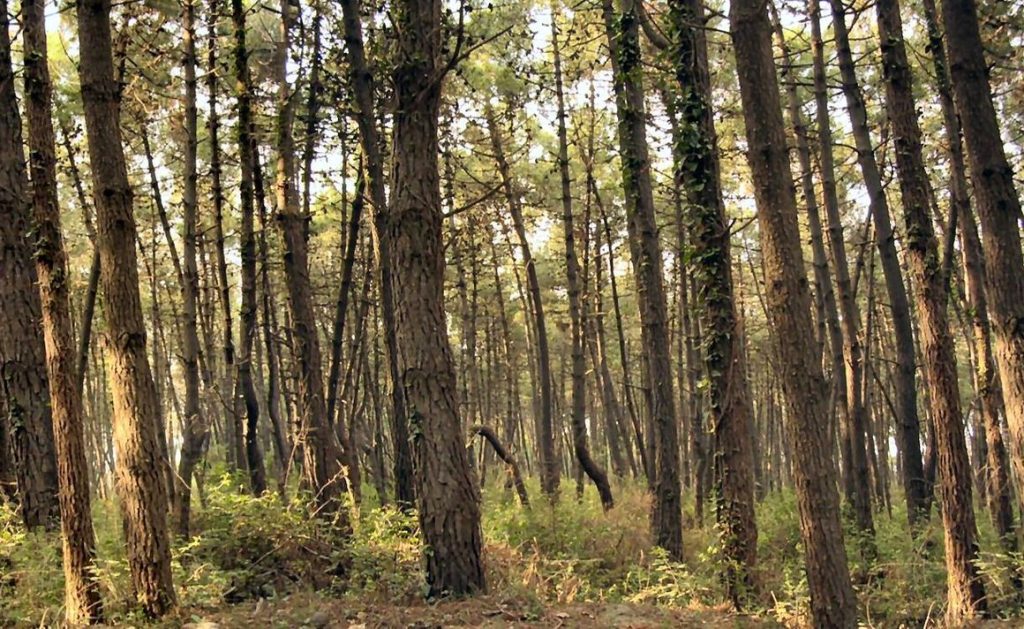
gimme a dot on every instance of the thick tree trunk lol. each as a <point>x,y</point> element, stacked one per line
<point>142,492</point>
<point>997,489</point>
<point>25,407</point>
<point>833,603</point>
<point>448,499</point>
<point>998,206</point>
<point>645,250</point>
<point>82,603</point>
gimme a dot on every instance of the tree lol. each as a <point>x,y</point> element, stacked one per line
<point>24,400</point>
<point>572,272</point>
<point>193,427</point>
<point>448,500</point>
<point>623,36</point>
<point>966,592</point>
<point>82,603</point>
<point>789,306</point>
<point>697,173</point>
<point>998,207</point>
<point>142,492</point>
<point>322,454</point>
<point>915,483</point>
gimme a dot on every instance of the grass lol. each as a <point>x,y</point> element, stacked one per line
<point>249,549</point>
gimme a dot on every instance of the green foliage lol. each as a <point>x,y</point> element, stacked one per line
<point>248,548</point>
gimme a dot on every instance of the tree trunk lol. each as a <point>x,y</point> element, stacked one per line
<point>193,424</point>
<point>645,250</point>
<point>246,390</point>
<point>998,207</point>
<point>833,603</point>
<point>362,80</point>
<point>322,454</point>
<point>142,492</point>
<point>966,592</point>
<point>914,480</point>
<point>508,459</point>
<point>82,604</point>
<point>697,173</point>
<point>449,502</point>
<point>549,463</point>
<point>25,407</point>
<point>572,271</point>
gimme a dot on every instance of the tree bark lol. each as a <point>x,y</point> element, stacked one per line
<point>998,206</point>
<point>449,502</point>
<point>572,272</point>
<point>322,454</point>
<point>246,390</point>
<point>914,479</point>
<point>142,492</point>
<point>25,405</point>
<point>965,590</point>
<point>697,173</point>
<point>833,603</point>
<point>82,603</point>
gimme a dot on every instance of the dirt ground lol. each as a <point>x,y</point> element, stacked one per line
<point>487,611</point>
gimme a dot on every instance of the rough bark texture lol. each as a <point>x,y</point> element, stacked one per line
<point>997,490</point>
<point>23,384</point>
<point>645,250</point>
<point>82,603</point>
<point>142,492</point>
<point>447,495</point>
<point>729,405</point>
<point>998,207</point>
<point>788,302</point>
<point>966,592</point>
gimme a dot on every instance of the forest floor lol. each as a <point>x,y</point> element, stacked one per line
<point>318,612</point>
<point>258,562</point>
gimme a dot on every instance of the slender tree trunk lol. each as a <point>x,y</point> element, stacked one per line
<point>246,390</point>
<point>697,173</point>
<point>82,604</point>
<point>143,494</point>
<point>364,92</point>
<point>322,454</point>
<point>193,426</point>
<point>914,479</point>
<point>645,250</point>
<point>545,420</point>
<point>572,266</point>
<point>449,502</point>
<point>833,603</point>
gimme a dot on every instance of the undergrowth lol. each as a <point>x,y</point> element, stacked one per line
<point>246,548</point>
